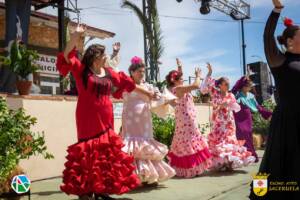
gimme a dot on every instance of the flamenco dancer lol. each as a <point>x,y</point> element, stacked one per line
<point>282,155</point>
<point>189,154</point>
<point>137,130</point>
<point>227,152</point>
<point>243,118</point>
<point>96,164</point>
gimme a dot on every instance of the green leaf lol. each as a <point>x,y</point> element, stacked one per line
<point>21,60</point>
<point>151,27</point>
<point>17,140</point>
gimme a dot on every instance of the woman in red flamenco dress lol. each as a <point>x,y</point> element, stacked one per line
<point>95,165</point>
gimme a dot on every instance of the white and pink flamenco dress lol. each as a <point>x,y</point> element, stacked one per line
<point>228,153</point>
<point>137,133</point>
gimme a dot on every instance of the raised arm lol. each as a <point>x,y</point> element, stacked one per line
<point>114,59</point>
<point>68,61</point>
<point>181,90</point>
<point>75,41</point>
<point>266,114</point>
<point>208,85</point>
<point>179,65</point>
<point>273,54</point>
<point>151,94</point>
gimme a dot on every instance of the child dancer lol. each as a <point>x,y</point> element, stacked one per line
<point>137,130</point>
<point>189,154</point>
<point>243,118</point>
<point>96,164</point>
<point>228,153</point>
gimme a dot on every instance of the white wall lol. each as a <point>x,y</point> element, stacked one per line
<point>56,117</point>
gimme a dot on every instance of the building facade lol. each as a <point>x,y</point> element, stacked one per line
<point>43,37</point>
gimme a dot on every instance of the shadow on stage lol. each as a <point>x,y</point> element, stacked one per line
<point>224,173</point>
<point>216,174</point>
<point>146,189</point>
<point>46,193</point>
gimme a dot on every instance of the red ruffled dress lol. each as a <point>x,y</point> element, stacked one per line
<point>97,164</point>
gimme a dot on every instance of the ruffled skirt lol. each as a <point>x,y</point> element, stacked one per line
<point>189,154</point>
<point>149,155</point>
<point>231,155</point>
<point>99,166</point>
<point>192,165</point>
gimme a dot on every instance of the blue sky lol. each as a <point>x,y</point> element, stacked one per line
<point>194,41</point>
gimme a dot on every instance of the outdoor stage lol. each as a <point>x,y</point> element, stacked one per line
<point>210,186</point>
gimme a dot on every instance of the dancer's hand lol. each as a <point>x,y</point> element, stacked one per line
<point>76,40</point>
<point>80,31</point>
<point>209,68</point>
<point>198,72</point>
<point>248,73</point>
<point>153,95</point>
<point>172,102</point>
<point>116,47</point>
<point>178,62</point>
<point>179,65</point>
<point>79,37</point>
<point>278,4</point>
<point>156,95</point>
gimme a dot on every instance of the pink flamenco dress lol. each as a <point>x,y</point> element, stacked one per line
<point>189,154</point>
<point>227,151</point>
<point>137,133</point>
<point>96,163</point>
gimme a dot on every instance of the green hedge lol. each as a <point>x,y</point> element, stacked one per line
<point>163,129</point>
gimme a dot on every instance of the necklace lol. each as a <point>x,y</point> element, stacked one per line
<point>97,74</point>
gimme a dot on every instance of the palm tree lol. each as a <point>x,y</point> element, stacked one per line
<point>152,30</point>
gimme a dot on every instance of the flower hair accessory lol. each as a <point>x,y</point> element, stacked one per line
<point>288,22</point>
<point>173,75</point>
<point>136,60</point>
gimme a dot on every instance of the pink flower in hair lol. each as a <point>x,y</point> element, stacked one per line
<point>136,60</point>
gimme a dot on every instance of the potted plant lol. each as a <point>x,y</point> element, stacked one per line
<point>22,62</point>
<point>17,142</point>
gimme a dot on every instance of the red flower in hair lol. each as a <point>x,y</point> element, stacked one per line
<point>288,22</point>
<point>174,75</point>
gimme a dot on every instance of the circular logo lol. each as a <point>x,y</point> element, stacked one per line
<point>20,184</point>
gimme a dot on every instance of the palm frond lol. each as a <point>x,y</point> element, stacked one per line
<point>157,33</point>
<point>137,11</point>
<point>151,27</point>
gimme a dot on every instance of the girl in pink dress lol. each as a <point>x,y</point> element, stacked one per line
<point>137,130</point>
<point>189,154</point>
<point>228,153</point>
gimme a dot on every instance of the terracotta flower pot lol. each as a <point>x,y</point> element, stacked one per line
<point>257,141</point>
<point>23,87</point>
